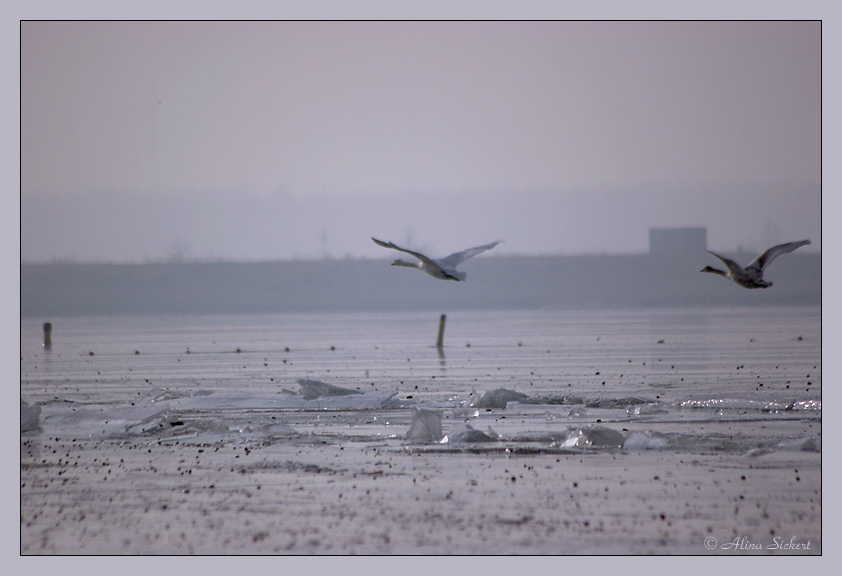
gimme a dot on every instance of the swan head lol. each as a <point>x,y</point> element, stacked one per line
<point>400,262</point>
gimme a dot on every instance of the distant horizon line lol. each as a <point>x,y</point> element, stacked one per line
<point>350,258</point>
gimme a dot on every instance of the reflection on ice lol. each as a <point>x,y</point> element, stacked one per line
<point>745,404</point>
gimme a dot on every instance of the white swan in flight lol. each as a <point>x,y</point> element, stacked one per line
<point>752,275</point>
<point>444,268</point>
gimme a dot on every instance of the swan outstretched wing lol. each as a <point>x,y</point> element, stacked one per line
<point>732,266</point>
<point>769,255</point>
<point>396,247</point>
<point>458,257</point>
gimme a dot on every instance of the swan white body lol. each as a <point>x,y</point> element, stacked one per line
<point>444,268</point>
<point>752,275</point>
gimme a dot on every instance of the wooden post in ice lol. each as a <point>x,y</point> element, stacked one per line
<point>440,341</point>
<point>48,335</point>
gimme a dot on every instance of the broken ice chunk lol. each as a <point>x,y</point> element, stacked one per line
<point>425,425</point>
<point>315,389</point>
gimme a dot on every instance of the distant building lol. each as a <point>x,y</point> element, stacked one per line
<point>677,240</point>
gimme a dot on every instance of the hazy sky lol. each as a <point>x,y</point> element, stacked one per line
<point>260,141</point>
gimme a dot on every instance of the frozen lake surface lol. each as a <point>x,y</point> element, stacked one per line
<point>678,431</point>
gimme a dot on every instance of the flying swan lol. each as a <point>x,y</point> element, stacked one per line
<point>752,275</point>
<point>443,269</point>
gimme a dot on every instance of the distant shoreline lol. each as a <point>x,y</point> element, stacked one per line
<point>500,282</point>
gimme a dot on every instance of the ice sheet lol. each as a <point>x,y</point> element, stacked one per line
<point>629,432</point>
